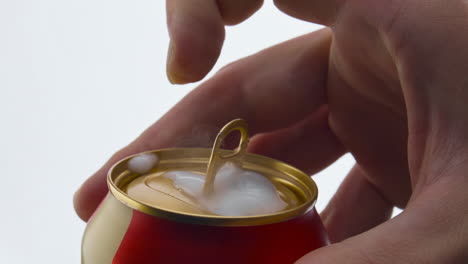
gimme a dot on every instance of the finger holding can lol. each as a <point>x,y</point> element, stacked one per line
<point>210,203</point>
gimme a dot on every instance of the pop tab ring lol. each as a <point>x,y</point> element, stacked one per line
<point>217,159</point>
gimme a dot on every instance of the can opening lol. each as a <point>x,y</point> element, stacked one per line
<point>293,186</point>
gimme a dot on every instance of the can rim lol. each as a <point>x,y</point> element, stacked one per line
<point>215,220</point>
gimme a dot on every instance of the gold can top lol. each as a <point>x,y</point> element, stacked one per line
<point>151,193</point>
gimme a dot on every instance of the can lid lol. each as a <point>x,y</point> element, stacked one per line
<point>155,195</point>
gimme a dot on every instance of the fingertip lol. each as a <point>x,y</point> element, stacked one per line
<point>175,77</point>
<point>88,197</point>
<point>82,212</point>
<point>169,72</point>
<point>77,205</point>
<point>192,62</point>
<point>177,73</point>
<point>197,35</point>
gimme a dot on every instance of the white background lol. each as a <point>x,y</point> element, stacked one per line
<point>79,80</point>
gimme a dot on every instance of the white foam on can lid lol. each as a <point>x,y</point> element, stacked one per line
<point>237,192</point>
<point>143,163</point>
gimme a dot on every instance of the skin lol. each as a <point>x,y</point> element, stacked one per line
<point>385,81</point>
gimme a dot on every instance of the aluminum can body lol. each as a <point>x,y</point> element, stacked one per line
<point>119,235</point>
<point>121,232</point>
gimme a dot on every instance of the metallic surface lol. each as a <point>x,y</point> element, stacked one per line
<point>293,185</point>
<point>217,159</point>
<point>105,231</point>
<point>117,234</point>
<point>153,240</point>
<point>163,225</point>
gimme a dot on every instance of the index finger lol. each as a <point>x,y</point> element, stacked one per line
<point>270,90</point>
<point>196,29</point>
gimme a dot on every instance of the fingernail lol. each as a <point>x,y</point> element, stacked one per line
<point>170,57</point>
<point>174,73</point>
<point>175,78</point>
<point>171,68</point>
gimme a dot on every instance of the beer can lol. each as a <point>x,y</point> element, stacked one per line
<point>159,225</point>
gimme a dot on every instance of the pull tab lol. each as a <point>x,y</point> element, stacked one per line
<point>217,159</point>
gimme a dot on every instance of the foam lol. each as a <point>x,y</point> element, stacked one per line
<point>143,163</point>
<point>237,192</point>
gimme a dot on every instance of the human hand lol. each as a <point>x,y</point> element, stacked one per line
<point>388,84</point>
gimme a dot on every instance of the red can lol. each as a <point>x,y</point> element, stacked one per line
<point>160,224</point>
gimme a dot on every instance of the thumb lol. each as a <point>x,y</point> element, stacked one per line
<point>431,230</point>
